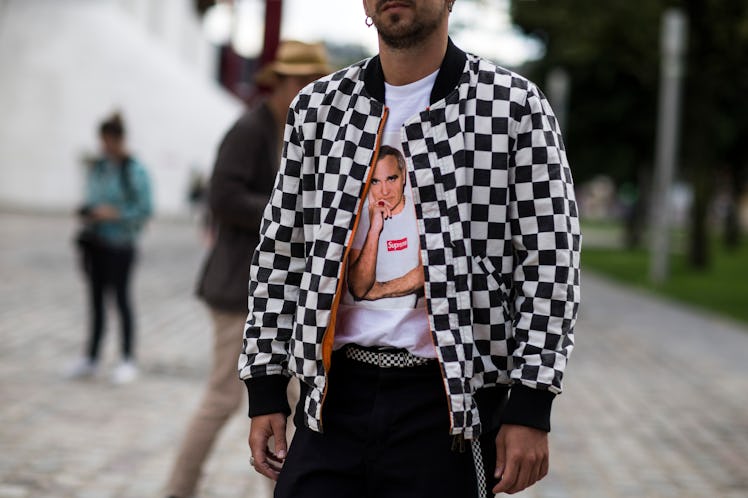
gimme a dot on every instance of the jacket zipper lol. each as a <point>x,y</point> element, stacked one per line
<point>328,339</point>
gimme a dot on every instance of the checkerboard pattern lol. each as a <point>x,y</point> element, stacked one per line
<point>386,359</point>
<point>498,227</point>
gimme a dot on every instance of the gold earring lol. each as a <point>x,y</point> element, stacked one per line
<point>368,21</point>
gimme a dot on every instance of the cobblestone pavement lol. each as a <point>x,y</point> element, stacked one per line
<point>656,401</point>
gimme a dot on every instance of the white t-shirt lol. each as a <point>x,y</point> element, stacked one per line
<point>400,322</point>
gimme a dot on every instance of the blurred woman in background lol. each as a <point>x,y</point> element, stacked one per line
<point>117,204</point>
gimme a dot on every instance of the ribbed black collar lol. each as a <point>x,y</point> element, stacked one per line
<point>449,75</point>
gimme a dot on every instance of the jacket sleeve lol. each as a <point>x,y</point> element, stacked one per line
<point>275,275</point>
<point>546,241</point>
<point>239,156</point>
<point>137,210</point>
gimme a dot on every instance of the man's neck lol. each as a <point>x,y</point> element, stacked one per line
<point>399,207</point>
<point>403,66</point>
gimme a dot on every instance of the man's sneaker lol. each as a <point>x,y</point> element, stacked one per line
<point>125,373</point>
<point>81,369</point>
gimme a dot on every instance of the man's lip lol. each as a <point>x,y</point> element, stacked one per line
<point>393,5</point>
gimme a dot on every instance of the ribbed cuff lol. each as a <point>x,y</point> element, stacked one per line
<point>529,407</point>
<point>267,395</point>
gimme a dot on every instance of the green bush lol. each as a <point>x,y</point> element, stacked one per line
<point>723,288</point>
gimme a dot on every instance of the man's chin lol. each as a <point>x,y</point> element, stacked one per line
<point>402,35</point>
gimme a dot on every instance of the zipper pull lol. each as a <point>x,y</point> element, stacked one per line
<point>458,443</point>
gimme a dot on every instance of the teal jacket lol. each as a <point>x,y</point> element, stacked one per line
<point>128,190</point>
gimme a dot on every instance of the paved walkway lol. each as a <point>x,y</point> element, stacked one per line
<point>656,402</point>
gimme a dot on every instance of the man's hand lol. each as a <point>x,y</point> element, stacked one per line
<point>262,428</point>
<point>378,212</point>
<point>104,212</point>
<point>521,458</point>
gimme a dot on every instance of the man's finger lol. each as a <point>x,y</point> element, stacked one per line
<point>259,435</point>
<point>500,456</point>
<point>506,467</point>
<point>525,477</point>
<point>265,468</point>
<point>508,477</point>
<point>544,468</point>
<point>278,425</point>
<point>260,459</point>
<point>274,463</point>
<point>263,465</point>
<point>537,473</point>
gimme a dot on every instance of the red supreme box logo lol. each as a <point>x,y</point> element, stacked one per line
<point>397,245</point>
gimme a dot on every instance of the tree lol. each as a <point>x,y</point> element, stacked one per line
<point>716,113</point>
<point>611,51</point>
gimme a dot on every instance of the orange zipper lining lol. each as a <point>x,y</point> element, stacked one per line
<point>328,340</point>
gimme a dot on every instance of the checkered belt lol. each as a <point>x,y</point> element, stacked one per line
<point>396,358</point>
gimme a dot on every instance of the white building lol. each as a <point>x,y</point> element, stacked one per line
<point>66,64</point>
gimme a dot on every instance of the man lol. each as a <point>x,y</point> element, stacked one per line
<point>240,186</point>
<point>453,398</point>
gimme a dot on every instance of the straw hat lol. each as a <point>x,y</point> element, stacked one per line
<point>295,58</point>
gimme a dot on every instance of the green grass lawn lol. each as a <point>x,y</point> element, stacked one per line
<point>723,288</point>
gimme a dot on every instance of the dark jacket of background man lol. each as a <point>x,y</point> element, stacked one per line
<point>239,192</point>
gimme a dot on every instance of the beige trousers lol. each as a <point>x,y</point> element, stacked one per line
<point>223,395</point>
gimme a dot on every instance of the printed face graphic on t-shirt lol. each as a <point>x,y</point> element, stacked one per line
<point>384,264</point>
<point>387,187</point>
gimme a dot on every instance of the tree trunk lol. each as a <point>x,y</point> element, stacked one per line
<point>699,255</point>
<point>635,221</point>
<point>699,145</point>
<point>736,187</point>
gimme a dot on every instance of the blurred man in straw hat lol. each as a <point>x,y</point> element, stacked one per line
<point>446,396</point>
<point>240,186</point>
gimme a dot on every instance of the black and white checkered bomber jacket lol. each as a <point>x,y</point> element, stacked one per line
<point>498,226</point>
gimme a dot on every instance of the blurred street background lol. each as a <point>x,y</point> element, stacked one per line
<point>652,100</point>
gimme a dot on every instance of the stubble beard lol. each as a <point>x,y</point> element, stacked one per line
<point>397,34</point>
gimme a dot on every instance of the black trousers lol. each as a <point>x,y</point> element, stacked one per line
<point>386,435</point>
<point>108,270</point>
